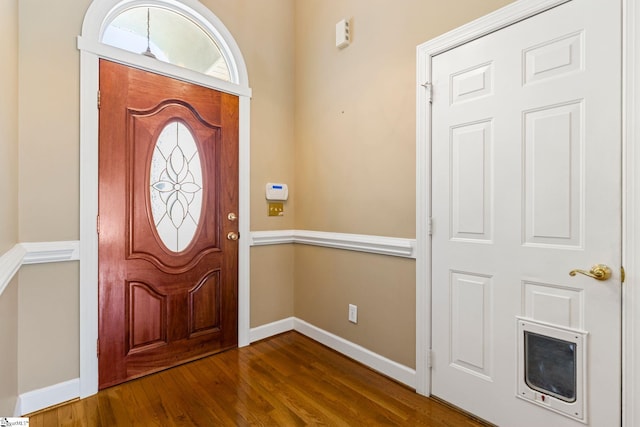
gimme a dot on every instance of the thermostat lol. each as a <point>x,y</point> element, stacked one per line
<point>277,191</point>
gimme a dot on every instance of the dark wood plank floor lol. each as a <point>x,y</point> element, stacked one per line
<point>287,380</point>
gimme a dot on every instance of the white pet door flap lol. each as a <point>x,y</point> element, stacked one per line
<point>551,367</point>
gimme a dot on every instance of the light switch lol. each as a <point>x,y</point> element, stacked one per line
<point>276,209</point>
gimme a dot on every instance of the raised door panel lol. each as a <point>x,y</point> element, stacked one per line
<point>146,312</point>
<point>204,305</point>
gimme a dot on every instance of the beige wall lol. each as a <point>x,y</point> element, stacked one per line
<point>355,159</point>
<point>8,124</point>
<point>382,287</point>
<point>48,349</point>
<point>272,283</point>
<point>9,353</point>
<point>49,119</point>
<point>355,110</point>
<point>9,199</point>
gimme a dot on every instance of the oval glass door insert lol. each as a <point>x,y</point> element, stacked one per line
<point>176,186</point>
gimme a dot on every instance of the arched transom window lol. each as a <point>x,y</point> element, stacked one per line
<point>167,36</point>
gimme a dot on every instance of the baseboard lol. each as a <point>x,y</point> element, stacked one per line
<point>356,352</point>
<point>271,329</point>
<point>36,400</point>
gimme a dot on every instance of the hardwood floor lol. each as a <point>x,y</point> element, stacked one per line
<point>287,380</point>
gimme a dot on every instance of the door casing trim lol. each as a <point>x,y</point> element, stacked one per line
<point>630,212</point>
<point>501,18</point>
<point>91,50</point>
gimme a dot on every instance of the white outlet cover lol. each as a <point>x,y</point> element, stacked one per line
<point>353,313</point>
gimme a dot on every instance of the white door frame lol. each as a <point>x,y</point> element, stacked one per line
<point>92,50</point>
<point>630,87</point>
<point>631,213</point>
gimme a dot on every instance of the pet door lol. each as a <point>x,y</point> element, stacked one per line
<point>551,367</point>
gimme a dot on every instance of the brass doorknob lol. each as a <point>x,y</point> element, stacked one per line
<point>598,272</point>
<point>233,236</point>
<point>232,216</point>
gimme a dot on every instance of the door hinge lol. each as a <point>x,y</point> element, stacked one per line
<point>430,358</point>
<point>98,100</point>
<point>429,91</point>
<point>98,224</point>
<point>623,274</point>
<point>430,226</point>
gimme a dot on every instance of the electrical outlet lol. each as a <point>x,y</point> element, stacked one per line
<point>353,313</point>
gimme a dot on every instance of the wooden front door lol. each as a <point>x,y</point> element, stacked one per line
<point>168,204</point>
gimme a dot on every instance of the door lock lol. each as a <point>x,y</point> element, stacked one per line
<point>233,236</point>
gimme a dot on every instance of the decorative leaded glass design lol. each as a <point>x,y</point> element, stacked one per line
<point>176,186</point>
<point>169,37</point>
<point>550,366</point>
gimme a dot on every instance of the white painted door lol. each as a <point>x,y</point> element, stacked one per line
<point>526,186</point>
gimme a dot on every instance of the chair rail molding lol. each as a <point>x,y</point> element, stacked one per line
<point>10,263</point>
<point>382,245</point>
<point>35,253</point>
